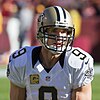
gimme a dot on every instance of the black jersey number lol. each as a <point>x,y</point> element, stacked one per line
<point>76,52</point>
<point>19,53</point>
<point>45,89</point>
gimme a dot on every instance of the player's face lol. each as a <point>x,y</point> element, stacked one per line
<point>57,37</point>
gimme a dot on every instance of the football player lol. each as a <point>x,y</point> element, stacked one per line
<point>55,70</point>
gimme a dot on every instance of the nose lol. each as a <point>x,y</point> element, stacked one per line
<point>59,32</point>
<point>60,36</point>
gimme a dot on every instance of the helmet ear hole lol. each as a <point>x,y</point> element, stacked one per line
<point>42,29</point>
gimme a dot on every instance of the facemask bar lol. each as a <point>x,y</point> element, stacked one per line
<point>70,40</point>
<point>56,39</point>
<point>43,36</point>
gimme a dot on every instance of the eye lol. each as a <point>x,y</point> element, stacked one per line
<point>49,30</point>
<point>55,30</point>
<point>63,31</point>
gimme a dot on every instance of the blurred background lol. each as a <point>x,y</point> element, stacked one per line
<point>18,28</point>
<point>18,24</point>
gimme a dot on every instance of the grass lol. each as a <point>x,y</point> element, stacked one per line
<point>4,89</point>
<point>96,87</point>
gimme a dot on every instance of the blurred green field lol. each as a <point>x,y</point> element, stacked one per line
<point>96,87</point>
<point>4,88</point>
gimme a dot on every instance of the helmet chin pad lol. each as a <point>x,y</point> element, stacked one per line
<point>55,49</point>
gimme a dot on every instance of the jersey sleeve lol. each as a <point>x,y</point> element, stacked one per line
<point>16,68</point>
<point>83,70</point>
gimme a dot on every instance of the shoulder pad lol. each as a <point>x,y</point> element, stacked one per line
<point>78,57</point>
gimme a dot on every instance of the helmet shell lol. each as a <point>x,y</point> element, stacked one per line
<point>55,16</point>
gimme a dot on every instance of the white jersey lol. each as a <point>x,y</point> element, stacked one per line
<point>74,69</point>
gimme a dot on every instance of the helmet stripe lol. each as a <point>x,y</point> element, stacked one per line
<point>58,14</point>
<point>64,13</point>
<point>61,14</point>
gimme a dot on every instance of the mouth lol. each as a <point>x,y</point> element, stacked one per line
<point>58,44</point>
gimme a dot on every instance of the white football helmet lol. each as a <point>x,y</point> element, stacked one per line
<point>56,17</point>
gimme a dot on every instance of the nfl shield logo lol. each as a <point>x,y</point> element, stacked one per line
<point>47,78</point>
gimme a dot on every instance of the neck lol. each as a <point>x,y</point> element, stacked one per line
<point>48,59</point>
